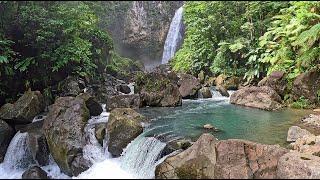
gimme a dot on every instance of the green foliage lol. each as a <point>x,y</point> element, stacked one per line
<point>221,37</point>
<point>121,66</point>
<point>291,43</point>
<point>43,42</point>
<point>301,103</point>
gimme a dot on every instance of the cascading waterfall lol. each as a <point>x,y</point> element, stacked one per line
<point>140,156</point>
<point>18,156</point>
<point>174,37</point>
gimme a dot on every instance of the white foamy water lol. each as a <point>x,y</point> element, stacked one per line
<point>140,156</point>
<point>174,37</point>
<point>138,160</point>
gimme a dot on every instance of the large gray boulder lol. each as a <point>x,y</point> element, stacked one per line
<point>158,89</point>
<point>6,134</point>
<point>123,126</point>
<point>240,159</point>
<point>263,97</point>
<point>64,129</point>
<point>189,86</point>
<point>30,104</point>
<point>123,101</point>
<point>295,165</point>
<point>296,132</point>
<point>197,162</point>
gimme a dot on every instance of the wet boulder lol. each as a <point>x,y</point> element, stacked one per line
<point>123,88</point>
<point>263,97</point>
<point>189,86</point>
<point>196,162</point>
<point>295,165</point>
<point>64,128</point>
<point>276,80</point>
<point>240,159</point>
<point>174,146</point>
<point>100,132</point>
<point>307,85</point>
<point>35,172</point>
<point>6,134</point>
<point>92,104</point>
<point>123,101</point>
<point>157,89</point>
<point>123,126</point>
<point>205,92</point>
<point>71,86</point>
<point>30,104</point>
<point>223,91</point>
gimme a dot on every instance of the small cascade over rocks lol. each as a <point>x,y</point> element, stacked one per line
<point>141,155</point>
<point>18,156</point>
<point>174,37</point>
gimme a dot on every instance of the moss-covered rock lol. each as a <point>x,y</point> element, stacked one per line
<point>123,126</point>
<point>197,162</point>
<point>157,89</point>
<point>64,128</point>
<point>30,104</point>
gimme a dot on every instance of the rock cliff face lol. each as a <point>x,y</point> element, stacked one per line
<point>139,28</point>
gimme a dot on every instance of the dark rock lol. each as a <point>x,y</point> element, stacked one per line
<point>223,91</point>
<point>276,81</point>
<point>70,86</point>
<point>123,126</point>
<point>157,89</point>
<point>100,132</point>
<point>189,86</point>
<point>64,129</point>
<point>307,85</point>
<point>92,104</point>
<point>6,134</point>
<point>263,97</point>
<point>79,164</point>
<point>123,88</point>
<point>123,101</point>
<point>30,104</point>
<point>35,172</point>
<point>205,92</point>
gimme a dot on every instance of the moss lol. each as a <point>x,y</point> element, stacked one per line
<point>151,82</point>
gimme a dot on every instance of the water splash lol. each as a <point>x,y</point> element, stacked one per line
<point>174,37</point>
<point>140,156</point>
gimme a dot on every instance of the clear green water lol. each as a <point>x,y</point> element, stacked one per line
<point>235,122</point>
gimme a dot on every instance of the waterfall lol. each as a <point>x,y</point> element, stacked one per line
<point>17,158</point>
<point>140,156</point>
<point>174,37</point>
<point>18,154</point>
